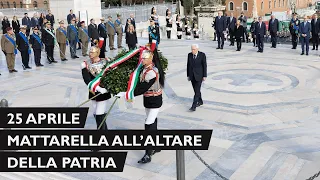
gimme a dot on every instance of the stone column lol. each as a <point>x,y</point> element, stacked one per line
<point>61,9</point>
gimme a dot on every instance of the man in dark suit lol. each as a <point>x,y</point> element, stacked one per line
<point>220,27</point>
<point>133,22</point>
<point>196,73</point>
<point>26,22</point>
<point>315,30</point>
<point>93,31</point>
<point>273,29</point>
<point>304,32</point>
<point>260,32</point>
<point>50,17</point>
<point>70,16</point>
<point>231,23</point>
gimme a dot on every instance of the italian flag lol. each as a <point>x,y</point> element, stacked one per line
<point>96,81</point>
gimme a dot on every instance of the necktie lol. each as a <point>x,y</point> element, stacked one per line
<point>194,57</point>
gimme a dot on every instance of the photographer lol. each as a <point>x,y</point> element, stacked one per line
<point>243,20</point>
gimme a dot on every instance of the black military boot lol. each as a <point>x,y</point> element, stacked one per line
<point>147,156</point>
<point>154,127</point>
<point>99,119</point>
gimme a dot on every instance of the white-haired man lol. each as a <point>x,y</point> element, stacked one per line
<point>196,73</point>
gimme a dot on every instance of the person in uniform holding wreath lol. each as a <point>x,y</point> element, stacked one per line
<point>169,23</point>
<point>179,27</point>
<point>9,48</point>
<point>154,32</point>
<point>90,69</point>
<point>150,86</point>
<point>36,44</point>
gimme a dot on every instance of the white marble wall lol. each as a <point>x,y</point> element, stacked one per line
<point>61,8</point>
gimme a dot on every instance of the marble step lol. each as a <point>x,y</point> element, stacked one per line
<point>34,176</point>
<point>266,162</point>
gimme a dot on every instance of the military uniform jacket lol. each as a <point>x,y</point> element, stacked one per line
<point>154,34</point>
<point>61,38</point>
<point>6,45</point>
<point>22,45</point>
<point>118,25</point>
<point>111,29</point>
<point>71,34</point>
<point>46,38</point>
<point>35,44</point>
<point>102,31</point>
<point>150,87</point>
<point>82,35</point>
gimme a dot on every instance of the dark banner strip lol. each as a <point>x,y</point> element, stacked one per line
<point>43,117</point>
<point>104,140</point>
<point>62,161</point>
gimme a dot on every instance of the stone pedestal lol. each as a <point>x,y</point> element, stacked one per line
<point>206,14</point>
<point>87,9</point>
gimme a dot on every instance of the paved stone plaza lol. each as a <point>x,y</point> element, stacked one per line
<point>263,109</point>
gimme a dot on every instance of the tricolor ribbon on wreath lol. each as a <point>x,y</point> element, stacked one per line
<point>134,77</point>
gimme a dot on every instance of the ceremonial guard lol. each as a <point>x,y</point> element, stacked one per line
<point>61,34</point>
<point>188,30</point>
<point>9,48</point>
<point>36,44</point>
<point>90,69</point>
<point>84,37</point>
<point>49,39</point>
<point>150,86</point>
<point>169,23</point>
<point>196,32</point>
<point>102,30</point>
<point>294,30</point>
<point>155,16</point>
<point>111,33</point>
<point>72,36</point>
<point>23,46</point>
<point>154,32</point>
<point>179,27</point>
<point>119,30</point>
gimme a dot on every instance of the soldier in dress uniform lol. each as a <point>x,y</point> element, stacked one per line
<point>90,69</point>
<point>72,36</point>
<point>61,34</point>
<point>24,47</point>
<point>154,32</point>
<point>150,86</point>
<point>119,29</point>
<point>179,27</point>
<point>294,30</point>
<point>36,44</point>
<point>84,37</point>
<point>48,38</point>
<point>9,48</point>
<point>111,32</point>
<point>169,23</point>
<point>102,29</point>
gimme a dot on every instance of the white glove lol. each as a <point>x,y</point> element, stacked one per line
<point>120,94</point>
<point>101,90</point>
